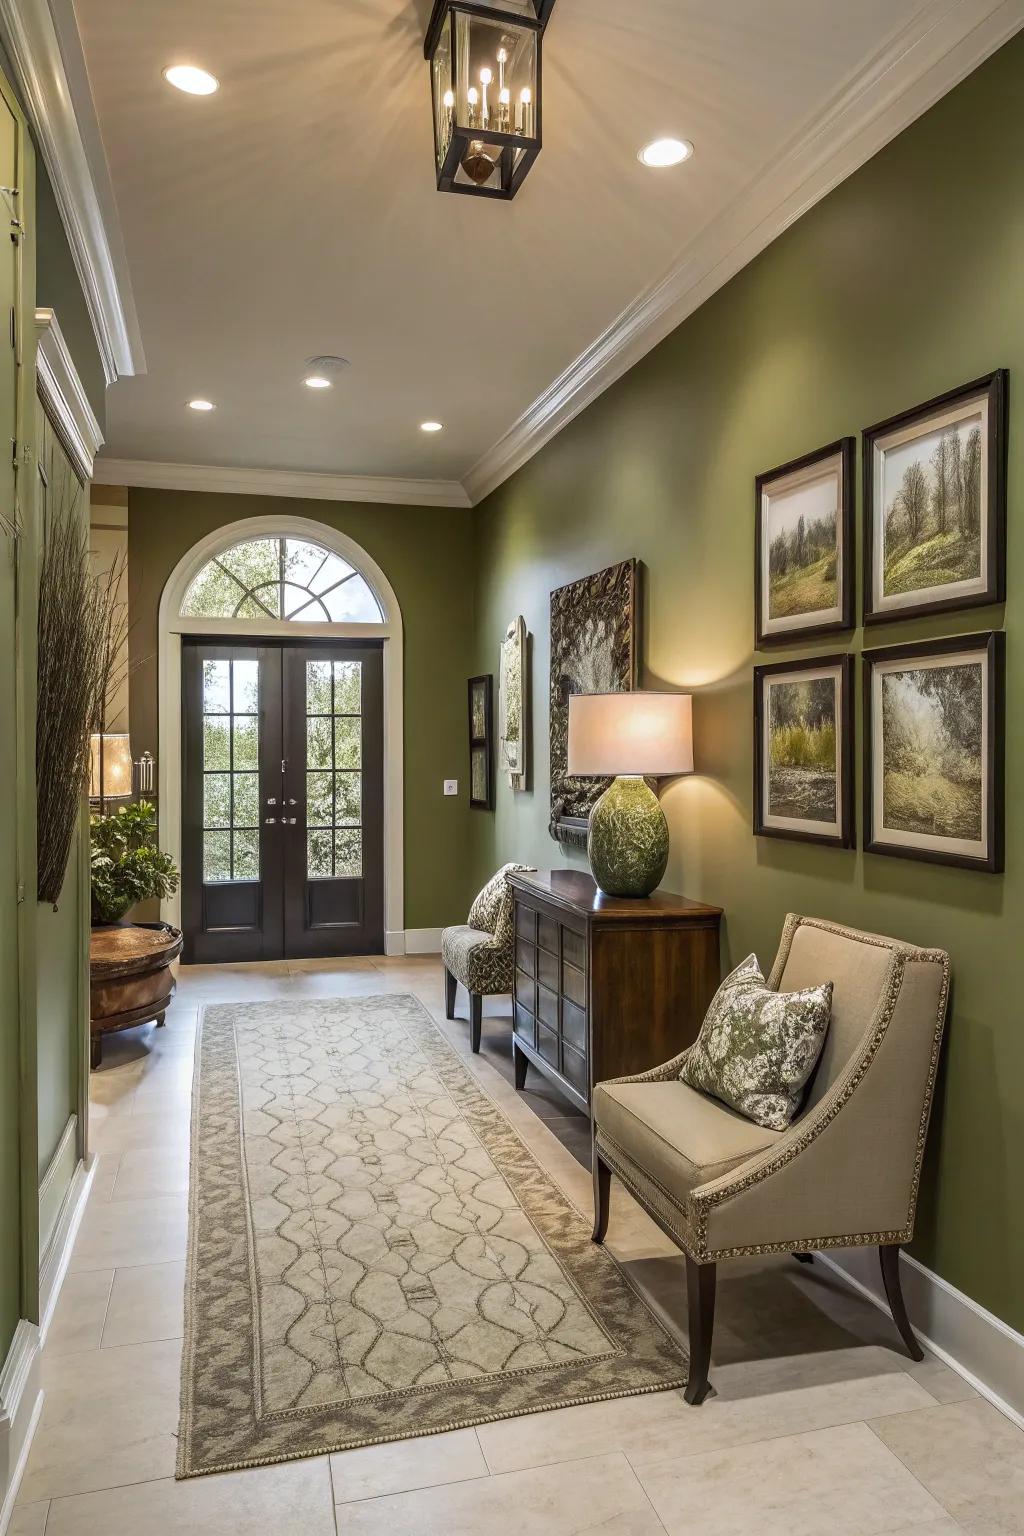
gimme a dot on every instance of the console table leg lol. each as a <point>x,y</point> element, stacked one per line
<point>520,1064</point>
<point>95,1052</point>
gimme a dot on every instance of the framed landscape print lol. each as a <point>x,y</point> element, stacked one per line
<point>594,629</point>
<point>803,577</point>
<point>481,744</point>
<point>934,742</point>
<point>803,750</point>
<point>935,505</point>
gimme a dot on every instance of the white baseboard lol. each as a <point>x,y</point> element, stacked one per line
<point>21,1402</point>
<point>974,1342</point>
<point>57,1257</point>
<point>423,941</point>
<point>55,1184</point>
<point>394,942</point>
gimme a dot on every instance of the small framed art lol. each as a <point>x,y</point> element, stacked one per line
<point>934,744</point>
<point>803,542</point>
<point>803,750</point>
<point>935,505</point>
<point>481,743</point>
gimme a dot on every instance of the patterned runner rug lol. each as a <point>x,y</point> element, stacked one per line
<point>373,1251</point>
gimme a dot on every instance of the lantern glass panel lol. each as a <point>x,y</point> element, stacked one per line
<point>492,58</point>
<point>441,66</point>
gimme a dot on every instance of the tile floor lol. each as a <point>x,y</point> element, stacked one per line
<point>818,1422</point>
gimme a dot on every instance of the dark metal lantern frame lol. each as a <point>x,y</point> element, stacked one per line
<point>513,170</point>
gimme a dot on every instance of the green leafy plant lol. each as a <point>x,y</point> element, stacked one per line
<point>127,864</point>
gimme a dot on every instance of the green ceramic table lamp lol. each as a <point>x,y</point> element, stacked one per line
<point>630,736</point>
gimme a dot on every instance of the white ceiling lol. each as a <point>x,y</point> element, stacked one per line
<point>295,211</point>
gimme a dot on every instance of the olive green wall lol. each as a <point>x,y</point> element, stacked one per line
<point>58,288</point>
<point>905,281</point>
<point>426,554</point>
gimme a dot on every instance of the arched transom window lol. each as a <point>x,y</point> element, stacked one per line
<point>281,579</point>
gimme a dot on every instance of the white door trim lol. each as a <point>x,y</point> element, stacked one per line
<point>171,628</point>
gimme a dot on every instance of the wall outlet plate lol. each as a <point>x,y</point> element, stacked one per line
<point>451,786</point>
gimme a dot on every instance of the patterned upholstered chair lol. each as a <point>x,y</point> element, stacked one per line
<point>844,1174</point>
<point>481,953</point>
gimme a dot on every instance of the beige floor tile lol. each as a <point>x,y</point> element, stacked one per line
<point>109,1418</point>
<point>104,1175</point>
<point>660,1427</point>
<point>145,1173</point>
<point>29,1519</point>
<point>125,1232</point>
<point>81,1307</point>
<point>153,1129</point>
<point>939,1381</point>
<point>969,1456</point>
<point>945,1525</point>
<point>600,1495</point>
<point>293,1499</point>
<point>146,1304</point>
<point>407,1464</point>
<point>831,1480</point>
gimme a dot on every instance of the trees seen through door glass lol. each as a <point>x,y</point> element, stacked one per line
<point>231,788</point>
<point>334,780</point>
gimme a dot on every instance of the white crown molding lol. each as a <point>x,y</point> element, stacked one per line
<point>280,482</point>
<point>63,395</point>
<point>79,176</point>
<point>943,43</point>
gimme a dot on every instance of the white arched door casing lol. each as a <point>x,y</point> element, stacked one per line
<point>172,625</point>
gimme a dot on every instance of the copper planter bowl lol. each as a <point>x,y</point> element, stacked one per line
<point>130,979</point>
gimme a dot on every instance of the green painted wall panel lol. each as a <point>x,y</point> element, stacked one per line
<point>426,554</point>
<point>904,282</point>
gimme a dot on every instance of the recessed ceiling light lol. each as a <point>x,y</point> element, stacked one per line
<point>317,381</point>
<point>431,426</point>
<point>189,78</point>
<point>664,152</point>
<point>200,405</point>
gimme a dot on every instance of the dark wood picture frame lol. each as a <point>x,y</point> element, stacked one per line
<point>845,758</point>
<point>991,644</point>
<point>846,449</point>
<point>994,386</point>
<point>482,744</point>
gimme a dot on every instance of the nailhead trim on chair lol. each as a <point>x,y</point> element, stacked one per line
<point>725,1188</point>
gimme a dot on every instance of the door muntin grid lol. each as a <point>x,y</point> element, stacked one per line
<point>231,785</point>
<point>334,770</point>
<point>281,578</point>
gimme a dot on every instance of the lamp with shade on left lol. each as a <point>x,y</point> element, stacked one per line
<point>111,772</point>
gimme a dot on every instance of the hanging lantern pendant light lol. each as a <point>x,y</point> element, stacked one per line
<point>485,75</point>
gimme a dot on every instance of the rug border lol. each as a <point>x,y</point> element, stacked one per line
<point>183,1471</point>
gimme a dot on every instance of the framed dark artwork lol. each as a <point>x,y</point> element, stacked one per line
<point>803,546</point>
<point>803,750</point>
<point>935,504</point>
<point>594,629</point>
<point>481,743</point>
<point>934,747</point>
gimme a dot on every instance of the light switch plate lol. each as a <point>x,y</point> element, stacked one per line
<point>451,786</point>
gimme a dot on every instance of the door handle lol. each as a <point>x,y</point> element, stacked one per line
<point>289,801</point>
<point>288,821</point>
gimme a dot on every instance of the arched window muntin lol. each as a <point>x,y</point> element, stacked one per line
<point>281,578</point>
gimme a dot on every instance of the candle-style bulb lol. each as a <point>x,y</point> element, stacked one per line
<point>485,76</point>
<point>473,96</point>
<point>449,99</point>
<point>504,109</point>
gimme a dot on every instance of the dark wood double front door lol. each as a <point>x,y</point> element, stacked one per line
<point>283,800</point>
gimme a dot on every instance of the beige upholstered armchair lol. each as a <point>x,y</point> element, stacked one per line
<point>481,953</point>
<point>844,1174</point>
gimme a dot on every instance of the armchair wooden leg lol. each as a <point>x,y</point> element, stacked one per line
<point>700,1305</point>
<point>602,1197</point>
<point>889,1255</point>
<point>450,985</point>
<point>804,1258</point>
<point>520,1062</point>
<point>476,1004</point>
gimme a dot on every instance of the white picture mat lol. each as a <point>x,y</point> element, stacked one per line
<point>785,498</point>
<point>976,405</point>
<point>795,823</point>
<point>879,832</point>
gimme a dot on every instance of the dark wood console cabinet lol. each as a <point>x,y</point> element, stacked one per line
<point>605,985</point>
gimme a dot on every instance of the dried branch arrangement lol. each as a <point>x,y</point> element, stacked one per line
<point>83,625</point>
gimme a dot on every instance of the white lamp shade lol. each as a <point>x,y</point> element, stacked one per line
<point>115,781</point>
<point>620,733</point>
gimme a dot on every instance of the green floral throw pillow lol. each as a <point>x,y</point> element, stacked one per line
<point>757,1048</point>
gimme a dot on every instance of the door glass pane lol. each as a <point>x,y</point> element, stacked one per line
<point>231,786</point>
<point>334,782</point>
